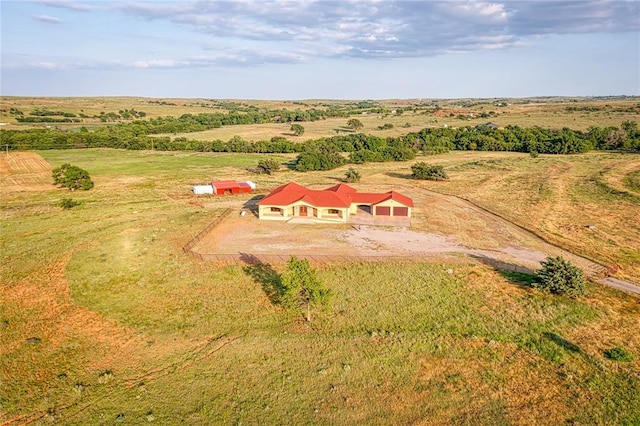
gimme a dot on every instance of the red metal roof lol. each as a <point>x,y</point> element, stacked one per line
<point>229,184</point>
<point>340,195</point>
<point>292,192</point>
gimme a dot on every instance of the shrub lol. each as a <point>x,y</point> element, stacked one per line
<point>425,171</point>
<point>267,166</point>
<point>618,354</point>
<point>352,175</point>
<point>559,276</point>
<point>355,124</point>
<point>68,203</point>
<point>72,177</point>
<point>297,129</point>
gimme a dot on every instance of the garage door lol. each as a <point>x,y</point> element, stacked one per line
<point>383,211</point>
<point>401,211</point>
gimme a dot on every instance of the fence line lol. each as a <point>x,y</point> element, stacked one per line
<point>195,240</point>
<point>598,269</point>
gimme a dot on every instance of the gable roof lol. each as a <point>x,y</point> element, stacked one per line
<point>292,192</point>
<point>376,198</point>
<point>339,195</point>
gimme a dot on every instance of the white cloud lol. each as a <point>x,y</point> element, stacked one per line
<point>67,4</point>
<point>390,28</point>
<point>47,19</point>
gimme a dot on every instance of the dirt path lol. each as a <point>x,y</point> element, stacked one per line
<point>442,225</point>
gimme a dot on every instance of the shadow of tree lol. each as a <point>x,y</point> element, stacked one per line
<point>521,279</point>
<point>515,274</point>
<point>264,274</point>
<point>562,342</point>
<point>400,175</point>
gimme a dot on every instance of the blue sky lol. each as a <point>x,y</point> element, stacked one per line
<point>311,49</point>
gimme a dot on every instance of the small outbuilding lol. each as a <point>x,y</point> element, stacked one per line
<point>229,187</point>
<point>225,187</point>
<point>202,189</point>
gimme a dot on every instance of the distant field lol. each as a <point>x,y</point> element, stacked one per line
<point>575,113</point>
<point>106,320</point>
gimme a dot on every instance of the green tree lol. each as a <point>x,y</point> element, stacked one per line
<point>559,276</point>
<point>355,124</point>
<point>323,158</point>
<point>301,286</point>
<point>268,166</point>
<point>352,175</point>
<point>426,171</point>
<point>297,129</point>
<point>72,177</point>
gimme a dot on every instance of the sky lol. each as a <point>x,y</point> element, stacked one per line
<point>309,49</point>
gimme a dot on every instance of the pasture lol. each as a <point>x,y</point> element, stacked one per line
<point>106,320</point>
<point>554,113</point>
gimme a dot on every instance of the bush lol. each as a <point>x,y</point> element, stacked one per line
<point>267,166</point>
<point>618,354</point>
<point>72,177</point>
<point>68,203</point>
<point>352,175</point>
<point>425,171</point>
<point>560,277</point>
<point>297,129</point>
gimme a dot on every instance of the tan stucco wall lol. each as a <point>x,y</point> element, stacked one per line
<point>264,211</point>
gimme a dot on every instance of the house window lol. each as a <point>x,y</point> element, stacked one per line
<point>275,209</point>
<point>334,211</point>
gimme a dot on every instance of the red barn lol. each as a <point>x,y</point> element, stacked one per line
<point>229,187</point>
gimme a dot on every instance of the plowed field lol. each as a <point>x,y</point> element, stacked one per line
<point>24,171</point>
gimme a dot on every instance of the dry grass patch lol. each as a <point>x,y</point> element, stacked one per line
<point>132,329</point>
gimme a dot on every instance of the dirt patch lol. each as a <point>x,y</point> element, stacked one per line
<point>441,225</point>
<point>24,171</point>
<point>41,322</point>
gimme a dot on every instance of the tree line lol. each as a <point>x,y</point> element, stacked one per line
<point>186,123</point>
<point>326,153</point>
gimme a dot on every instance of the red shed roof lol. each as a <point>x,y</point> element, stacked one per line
<point>229,184</point>
<point>340,195</point>
<point>226,184</point>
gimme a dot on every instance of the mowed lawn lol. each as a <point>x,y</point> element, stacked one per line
<point>105,320</point>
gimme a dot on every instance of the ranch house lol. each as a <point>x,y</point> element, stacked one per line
<point>338,203</point>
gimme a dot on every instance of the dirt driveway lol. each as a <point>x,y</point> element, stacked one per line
<point>442,225</point>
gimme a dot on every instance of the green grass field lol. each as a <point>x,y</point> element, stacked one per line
<point>105,320</point>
